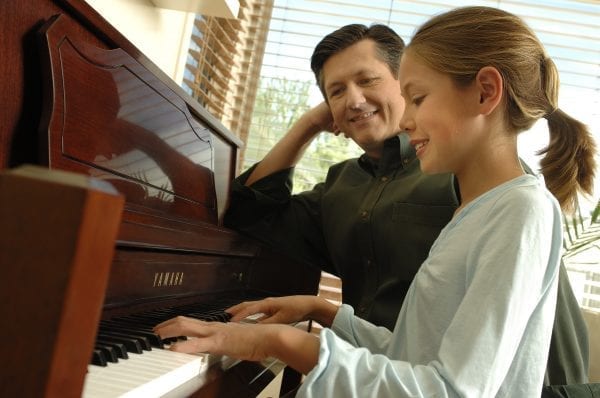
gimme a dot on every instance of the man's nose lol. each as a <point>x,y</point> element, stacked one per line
<point>355,97</point>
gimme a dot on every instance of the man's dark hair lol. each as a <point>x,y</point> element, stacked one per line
<point>389,46</point>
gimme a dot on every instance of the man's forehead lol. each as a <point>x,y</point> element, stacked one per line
<point>359,61</point>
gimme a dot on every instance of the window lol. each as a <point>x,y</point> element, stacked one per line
<point>569,30</point>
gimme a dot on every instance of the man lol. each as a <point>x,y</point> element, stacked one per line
<point>374,219</point>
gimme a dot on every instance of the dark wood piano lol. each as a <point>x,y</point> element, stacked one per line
<point>78,96</point>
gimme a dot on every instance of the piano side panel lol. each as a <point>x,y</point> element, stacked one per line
<point>56,247</point>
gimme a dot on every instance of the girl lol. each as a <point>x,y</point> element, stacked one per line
<point>477,319</point>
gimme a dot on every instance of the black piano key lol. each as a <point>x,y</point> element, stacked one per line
<point>145,319</point>
<point>220,316</point>
<point>171,340</point>
<point>109,352</point>
<point>132,331</point>
<point>142,341</point>
<point>119,348</point>
<point>98,358</point>
<point>132,345</point>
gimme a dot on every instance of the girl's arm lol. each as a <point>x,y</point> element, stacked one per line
<point>251,342</point>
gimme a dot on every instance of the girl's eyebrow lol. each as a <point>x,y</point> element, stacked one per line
<point>405,88</point>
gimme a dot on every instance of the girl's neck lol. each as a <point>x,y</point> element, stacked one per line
<point>487,171</point>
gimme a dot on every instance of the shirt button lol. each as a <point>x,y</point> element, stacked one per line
<point>364,214</point>
<point>384,179</point>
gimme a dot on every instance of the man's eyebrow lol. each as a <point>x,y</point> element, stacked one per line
<point>358,73</point>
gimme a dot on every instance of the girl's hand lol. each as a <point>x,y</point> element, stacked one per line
<point>250,342</point>
<point>287,310</point>
<point>237,340</point>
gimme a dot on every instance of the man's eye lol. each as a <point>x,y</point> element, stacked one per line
<point>335,92</point>
<point>368,81</point>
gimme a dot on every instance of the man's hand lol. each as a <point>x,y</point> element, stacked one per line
<point>321,118</point>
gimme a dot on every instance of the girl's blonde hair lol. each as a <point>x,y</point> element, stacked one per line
<point>462,41</point>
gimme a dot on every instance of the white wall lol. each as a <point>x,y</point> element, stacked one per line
<point>162,35</point>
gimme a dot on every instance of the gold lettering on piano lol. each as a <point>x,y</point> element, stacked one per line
<point>167,279</point>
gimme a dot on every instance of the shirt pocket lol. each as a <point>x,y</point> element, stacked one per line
<point>431,215</point>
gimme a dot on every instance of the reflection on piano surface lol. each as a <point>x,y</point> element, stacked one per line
<point>80,97</point>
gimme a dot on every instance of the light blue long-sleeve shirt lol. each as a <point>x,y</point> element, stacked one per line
<point>477,319</point>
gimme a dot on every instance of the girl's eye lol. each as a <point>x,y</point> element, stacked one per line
<point>418,100</point>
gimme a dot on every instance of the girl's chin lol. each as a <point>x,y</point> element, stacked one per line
<point>428,168</point>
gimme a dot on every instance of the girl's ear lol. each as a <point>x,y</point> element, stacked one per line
<point>489,84</point>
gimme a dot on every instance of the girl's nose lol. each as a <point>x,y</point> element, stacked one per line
<point>406,122</point>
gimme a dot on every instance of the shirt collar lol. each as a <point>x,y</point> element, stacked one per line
<point>397,152</point>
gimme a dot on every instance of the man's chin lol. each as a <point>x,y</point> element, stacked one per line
<point>369,140</point>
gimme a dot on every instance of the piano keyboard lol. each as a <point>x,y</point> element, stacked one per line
<point>129,360</point>
<point>151,374</point>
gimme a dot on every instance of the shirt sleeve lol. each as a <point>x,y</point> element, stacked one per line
<point>269,212</point>
<point>346,371</point>
<point>359,332</point>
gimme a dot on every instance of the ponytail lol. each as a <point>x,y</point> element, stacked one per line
<point>568,165</point>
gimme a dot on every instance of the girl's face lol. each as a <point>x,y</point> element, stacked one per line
<point>440,118</point>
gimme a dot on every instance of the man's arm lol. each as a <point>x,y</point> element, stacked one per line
<point>289,150</point>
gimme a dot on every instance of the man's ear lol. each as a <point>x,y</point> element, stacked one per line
<point>489,83</point>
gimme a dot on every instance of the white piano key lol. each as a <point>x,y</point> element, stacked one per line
<point>151,374</point>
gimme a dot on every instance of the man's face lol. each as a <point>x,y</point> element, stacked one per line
<point>363,95</point>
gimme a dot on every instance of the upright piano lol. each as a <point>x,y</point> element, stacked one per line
<point>78,96</point>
